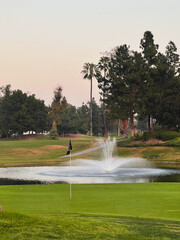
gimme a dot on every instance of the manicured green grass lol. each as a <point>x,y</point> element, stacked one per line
<point>157,200</point>
<point>40,151</point>
<point>100,211</point>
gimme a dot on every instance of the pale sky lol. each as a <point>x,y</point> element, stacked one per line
<point>44,43</point>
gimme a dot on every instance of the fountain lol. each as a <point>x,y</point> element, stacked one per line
<point>110,163</point>
<point>115,169</point>
<point>110,169</point>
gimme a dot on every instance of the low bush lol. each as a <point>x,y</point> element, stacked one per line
<point>144,137</point>
<point>124,143</point>
<point>166,135</point>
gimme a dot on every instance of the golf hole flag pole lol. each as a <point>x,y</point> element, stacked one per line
<point>69,153</point>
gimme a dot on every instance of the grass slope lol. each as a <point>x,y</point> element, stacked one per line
<point>39,151</point>
<point>153,154</point>
<point>17,226</point>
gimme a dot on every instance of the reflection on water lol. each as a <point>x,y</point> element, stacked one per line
<point>85,174</point>
<point>7,181</point>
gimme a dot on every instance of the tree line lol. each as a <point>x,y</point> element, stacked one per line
<point>144,84</point>
<point>22,113</point>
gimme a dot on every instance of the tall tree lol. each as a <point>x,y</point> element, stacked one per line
<point>104,66</point>
<point>150,52</point>
<point>168,68</point>
<point>90,71</point>
<point>134,81</point>
<point>126,71</point>
<point>58,106</point>
<point>113,86</point>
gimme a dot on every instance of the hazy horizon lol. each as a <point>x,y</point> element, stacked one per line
<point>45,43</point>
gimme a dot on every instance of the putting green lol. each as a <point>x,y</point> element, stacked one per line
<point>147,200</point>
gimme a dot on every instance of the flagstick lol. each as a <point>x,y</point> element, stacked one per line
<point>70,174</point>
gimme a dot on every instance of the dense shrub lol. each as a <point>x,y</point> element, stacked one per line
<point>144,137</point>
<point>124,143</point>
<point>166,135</point>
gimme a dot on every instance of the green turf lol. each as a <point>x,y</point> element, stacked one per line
<point>14,226</point>
<point>39,151</point>
<point>100,211</point>
<point>147,200</point>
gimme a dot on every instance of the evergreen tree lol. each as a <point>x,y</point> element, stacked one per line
<point>151,96</point>
<point>169,69</point>
<point>121,89</point>
<point>103,65</point>
<point>58,107</point>
<point>83,114</point>
<point>69,121</point>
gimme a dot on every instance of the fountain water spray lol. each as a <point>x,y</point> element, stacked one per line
<point>109,162</point>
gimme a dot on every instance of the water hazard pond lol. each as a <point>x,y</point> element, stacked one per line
<point>109,170</point>
<point>85,174</point>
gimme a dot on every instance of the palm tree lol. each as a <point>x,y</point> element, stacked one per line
<point>89,71</point>
<point>104,65</point>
